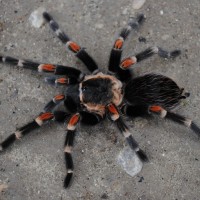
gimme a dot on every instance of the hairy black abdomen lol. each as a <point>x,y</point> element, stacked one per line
<point>153,89</point>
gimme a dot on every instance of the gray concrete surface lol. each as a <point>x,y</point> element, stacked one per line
<point>34,168</point>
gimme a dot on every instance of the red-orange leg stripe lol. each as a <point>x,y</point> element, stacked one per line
<point>155,108</point>
<point>126,63</point>
<point>118,44</point>
<point>62,80</point>
<point>74,120</point>
<point>112,109</point>
<point>74,47</point>
<point>46,116</point>
<point>48,68</point>
<point>59,97</point>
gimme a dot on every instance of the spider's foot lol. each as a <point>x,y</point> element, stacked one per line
<point>8,142</point>
<point>141,154</point>
<point>166,54</point>
<point>175,53</point>
<point>68,178</point>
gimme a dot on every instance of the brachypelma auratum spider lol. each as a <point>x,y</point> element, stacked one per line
<point>91,98</point>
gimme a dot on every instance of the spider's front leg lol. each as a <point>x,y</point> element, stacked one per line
<point>72,46</point>
<point>114,116</point>
<point>116,52</point>
<point>130,61</point>
<point>70,72</point>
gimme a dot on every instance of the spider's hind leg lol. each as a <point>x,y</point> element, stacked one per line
<point>176,118</point>
<point>72,46</point>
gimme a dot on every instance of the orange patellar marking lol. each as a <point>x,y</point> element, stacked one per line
<point>59,97</point>
<point>118,43</point>
<point>46,116</point>
<point>48,68</point>
<point>74,47</point>
<point>74,119</point>
<point>62,80</point>
<point>112,109</point>
<point>155,108</point>
<point>126,63</point>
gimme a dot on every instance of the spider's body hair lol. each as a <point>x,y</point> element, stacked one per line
<point>153,89</point>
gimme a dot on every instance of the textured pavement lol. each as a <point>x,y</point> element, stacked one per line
<point>34,167</point>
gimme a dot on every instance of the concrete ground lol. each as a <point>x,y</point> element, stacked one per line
<point>34,167</point>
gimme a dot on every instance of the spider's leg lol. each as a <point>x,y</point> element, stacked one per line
<point>114,116</point>
<point>44,67</point>
<point>130,61</point>
<point>175,117</point>
<point>37,123</point>
<point>90,118</point>
<point>62,81</point>
<point>69,140</point>
<point>72,46</point>
<point>116,52</point>
<point>54,102</point>
<point>135,111</point>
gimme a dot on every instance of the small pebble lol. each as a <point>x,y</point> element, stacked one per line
<point>36,19</point>
<point>142,39</point>
<point>129,161</point>
<point>3,187</point>
<point>161,12</point>
<point>125,11</point>
<point>99,26</point>
<point>165,37</point>
<point>137,4</point>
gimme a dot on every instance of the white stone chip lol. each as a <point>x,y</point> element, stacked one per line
<point>36,19</point>
<point>137,4</point>
<point>129,161</point>
<point>3,187</point>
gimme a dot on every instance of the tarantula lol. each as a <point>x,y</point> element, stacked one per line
<point>91,98</point>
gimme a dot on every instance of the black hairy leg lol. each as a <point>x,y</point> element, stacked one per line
<point>43,118</point>
<point>116,52</point>
<point>54,102</point>
<point>62,81</point>
<point>135,111</point>
<point>72,46</point>
<point>47,68</point>
<point>130,61</point>
<point>175,117</point>
<point>69,141</point>
<point>113,115</point>
<point>90,118</point>
<point>24,130</point>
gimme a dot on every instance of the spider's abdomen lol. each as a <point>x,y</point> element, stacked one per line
<point>153,89</point>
